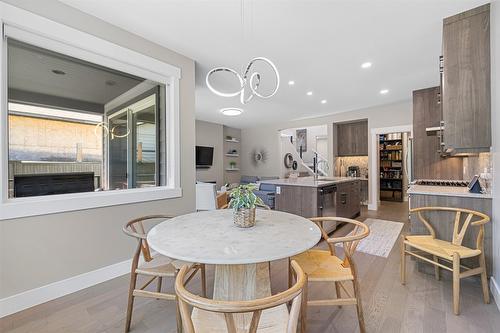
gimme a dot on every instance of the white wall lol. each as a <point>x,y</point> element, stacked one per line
<point>396,114</point>
<point>495,126</point>
<point>37,251</point>
<point>211,135</point>
<point>312,133</point>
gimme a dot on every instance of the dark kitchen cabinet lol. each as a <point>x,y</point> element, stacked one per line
<point>348,199</point>
<point>352,138</point>
<point>299,200</point>
<point>341,199</point>
<point>466,95</point>
<point>428,163</point>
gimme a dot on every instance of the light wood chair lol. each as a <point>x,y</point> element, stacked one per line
<point>450,252</point>
<point>326,266</point>
<point>155,267</point>
<point>269,314</point>
<point>222,200</point>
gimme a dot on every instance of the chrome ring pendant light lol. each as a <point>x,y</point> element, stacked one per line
<point>252,82</point>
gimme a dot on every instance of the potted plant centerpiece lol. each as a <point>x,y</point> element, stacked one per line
<point>243,202</point>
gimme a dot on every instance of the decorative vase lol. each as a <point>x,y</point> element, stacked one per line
<point>244,217</point>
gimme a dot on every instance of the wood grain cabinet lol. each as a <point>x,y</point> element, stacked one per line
<point>342,199</point>
<point>298,200</point>
<point>348,199</point>
<point>352,138</point>
<point>429,164</point>
<point>466,81</point>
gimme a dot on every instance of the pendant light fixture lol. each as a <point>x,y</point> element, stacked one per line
<point>249,81</point>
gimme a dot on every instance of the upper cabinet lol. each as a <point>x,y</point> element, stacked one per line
<point>466,96</point>
<point>352,138</point>
<point>430,164</point>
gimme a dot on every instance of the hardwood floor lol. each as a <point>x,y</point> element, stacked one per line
<point>423,305</point>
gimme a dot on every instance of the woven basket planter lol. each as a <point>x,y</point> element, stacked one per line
<point>244,218</point>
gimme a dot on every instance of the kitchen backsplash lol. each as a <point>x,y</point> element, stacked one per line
<point>477,165</point>
<point>342,163</point>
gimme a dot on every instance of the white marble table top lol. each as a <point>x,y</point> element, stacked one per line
<point>210,237</point>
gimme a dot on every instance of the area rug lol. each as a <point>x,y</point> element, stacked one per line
<point>382,237</point>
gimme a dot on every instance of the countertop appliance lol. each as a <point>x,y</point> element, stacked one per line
<point>353,171</point>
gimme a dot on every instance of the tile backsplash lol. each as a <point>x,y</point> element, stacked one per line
<point>342,163</point>
<point>476,165</point>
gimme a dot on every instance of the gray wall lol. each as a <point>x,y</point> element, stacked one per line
<point>381,116</point>
<point>211,135</point>
<point>495,126</point>
<point>36,251</point>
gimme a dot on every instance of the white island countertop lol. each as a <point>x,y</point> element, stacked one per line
<point>450,191</point>
<point>310,181</point>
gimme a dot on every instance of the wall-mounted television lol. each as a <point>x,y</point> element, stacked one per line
<point>204,156</point>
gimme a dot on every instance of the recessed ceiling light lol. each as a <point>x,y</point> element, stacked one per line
<point>384,91</point>
<point>291,83</point>
<point>323,101</point>
<point>366,65</point>
<point>58,72</point>
<point>231,111</point>
<point>309,93</point>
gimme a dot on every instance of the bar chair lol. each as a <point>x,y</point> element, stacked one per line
<point>269,314</point>
<point>326,266</point>
<point>155,267</point>
<point>450,252</point>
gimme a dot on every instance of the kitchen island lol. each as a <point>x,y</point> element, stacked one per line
<point>322,196</point>
<point>442,222</point>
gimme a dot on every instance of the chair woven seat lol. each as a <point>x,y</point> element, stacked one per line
<point>320,265</point>
<point>162,266</point>
<point>439,247</point>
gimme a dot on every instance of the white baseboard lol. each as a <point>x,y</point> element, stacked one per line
<point>372,206</point>
<point>27,299</point>
<point>495,290</point>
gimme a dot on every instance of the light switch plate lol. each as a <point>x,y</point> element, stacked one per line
<point>278,190</point>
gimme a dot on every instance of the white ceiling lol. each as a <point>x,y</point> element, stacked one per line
<point>317,43</point>
<point>30,70</point>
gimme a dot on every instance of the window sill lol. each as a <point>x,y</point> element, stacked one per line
<point>51,204</point>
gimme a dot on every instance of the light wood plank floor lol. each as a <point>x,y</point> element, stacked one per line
<point>423,305</point>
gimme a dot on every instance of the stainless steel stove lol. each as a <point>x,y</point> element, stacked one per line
<point>441,182</point>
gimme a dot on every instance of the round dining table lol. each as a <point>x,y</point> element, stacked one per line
<point>240,255</point>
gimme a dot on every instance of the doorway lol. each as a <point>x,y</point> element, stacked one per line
<point>375,163</point>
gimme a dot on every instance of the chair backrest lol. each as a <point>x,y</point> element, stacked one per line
<point>135,228</point>
<point>349,242</point>
<point>228,308</point>
<point>222,200</point>
<point>206,196</point>
<point>463,219</point>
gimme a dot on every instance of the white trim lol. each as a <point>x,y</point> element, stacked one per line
<point>27,299</point>
<point>34,206</point>
<point>373,159</point>
<point>495,291</point>
<point>31,28</point>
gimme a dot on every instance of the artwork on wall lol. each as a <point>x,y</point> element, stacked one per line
<point>301,139</point>
<point>258,156</point>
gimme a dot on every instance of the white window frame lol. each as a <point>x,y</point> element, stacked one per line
<point>39,31</point>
